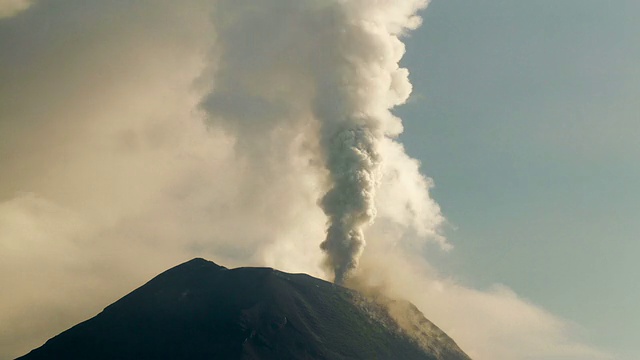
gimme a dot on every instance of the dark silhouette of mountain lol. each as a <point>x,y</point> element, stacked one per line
<point>200,310</point>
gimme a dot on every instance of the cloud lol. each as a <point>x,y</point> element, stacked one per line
<point>329,71</point>
<point>112,173</point>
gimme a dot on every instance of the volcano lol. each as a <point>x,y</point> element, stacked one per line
<point>200,310</point>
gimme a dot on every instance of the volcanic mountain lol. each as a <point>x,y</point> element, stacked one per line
<point>200,310</point>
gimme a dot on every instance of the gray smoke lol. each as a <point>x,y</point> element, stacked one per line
<point>353,163</point>
<point>325,69</point>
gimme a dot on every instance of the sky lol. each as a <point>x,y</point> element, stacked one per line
<point>526,115</point>
<point>137,135</point>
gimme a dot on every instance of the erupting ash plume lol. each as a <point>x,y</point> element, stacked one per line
<point>327,69</point>
<point>353,164</point>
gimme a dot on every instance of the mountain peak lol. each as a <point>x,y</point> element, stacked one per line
<point>198,263</point>
<point>201,310</point>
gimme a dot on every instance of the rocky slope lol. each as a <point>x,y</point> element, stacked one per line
<point>200,310</point>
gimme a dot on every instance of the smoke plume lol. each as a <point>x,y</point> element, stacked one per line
<point>327,68</point>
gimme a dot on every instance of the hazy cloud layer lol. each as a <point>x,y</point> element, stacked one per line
<point>113,172</point>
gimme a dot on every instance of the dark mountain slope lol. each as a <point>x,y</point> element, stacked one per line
<point>199,310</point>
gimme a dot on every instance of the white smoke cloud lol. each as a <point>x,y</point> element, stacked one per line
<point>113,173</point>
<point>335,77</point>
<point>404,195</point>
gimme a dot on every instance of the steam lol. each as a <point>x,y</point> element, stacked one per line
<point>328,70</point>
